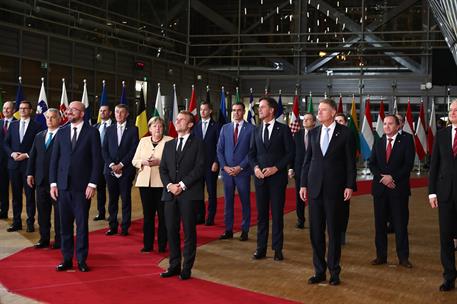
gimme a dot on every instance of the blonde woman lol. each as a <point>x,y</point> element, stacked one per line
<point>147,160</point>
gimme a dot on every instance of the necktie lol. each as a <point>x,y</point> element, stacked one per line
<point>389,149</point>
<point>266,138</point>
<point>235,135</point>
<point>48,141</point>
<point>326,140</point>
<point>454,145</point>
<point>306,141</point>
<point>205,125</point>
<point>5,126</point>
<point>73,138</point>
<point>22,131</point>
<point>103,131</point>
<point>120,130</point>
<point>179,150</point>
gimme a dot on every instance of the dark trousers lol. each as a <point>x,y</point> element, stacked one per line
<point>243,184</point>
<point>101,195</point>
<point>119,187</point>
<point>152,204</point>
<point>74,207</point>
<point>346,212</point>
<point>447,211</point>
<point>44,207</point>
<point>299,203</point>
<point>325,212</point>
<point>4,190</point>
<point>19,184</point>
<point>270,193</point>
<point>397,209</point>
<point>176,211</point>
<point>211,187</point>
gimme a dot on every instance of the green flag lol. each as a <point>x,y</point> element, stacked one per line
<point>353,124</point>
<point>310,104</point>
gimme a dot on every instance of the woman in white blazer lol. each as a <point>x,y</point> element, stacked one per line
<point>147,160</point>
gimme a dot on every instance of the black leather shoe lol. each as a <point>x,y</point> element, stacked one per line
<point>82,266</point>
<point>244,236</point>
<point>99,218</point>
<point>111,232</point>
<point>227,235</point>
<point>259,255</point>
<point>300,225</point>
<point>316,279</point>
<point>390,228</point>
<point>162,248</point>
<point>334,280</point>
<point>278,255</point>
<point>200,221</point>
<point>3,216</point>
<point>209,222</point>
<point>41,245</point>
<point>30,229</point>
<point>406,263</point>
<point>378,261</point>
<point>124,233</point>
<point>14,228</point>
<point>145,250</point>
<point>447,285</point>
<point>170,273</point>
<point>56,245</point>
<point>185,275</point>
<point>64,266</point>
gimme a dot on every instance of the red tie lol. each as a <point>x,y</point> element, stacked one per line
<point>389,149</point>
<point>235,134</point>
<point>454,145</point>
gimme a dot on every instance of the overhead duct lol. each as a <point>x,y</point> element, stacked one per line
<point>445,12</point>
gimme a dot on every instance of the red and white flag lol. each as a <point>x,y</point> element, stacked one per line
<point>193,104</point>
<point>421,136</point>
<point>431,129</point>
<point>340,105</point>
<point>295,119</point>
<point>409,125</point>
<point>173,115</point>
<point>63,104</point>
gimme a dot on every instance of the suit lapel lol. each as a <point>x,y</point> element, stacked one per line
<point>448,142</point>
<point>241,133</point>
<point>81,134</point>
<point>186,147</point>
<point>334,139</point>
<point>383,146</point>
<point>318,139</point>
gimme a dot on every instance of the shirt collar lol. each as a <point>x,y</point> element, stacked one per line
<point>185,137</point>
<point>77,125</point>
<point>26,120</point>
<point>393,137</point>
<point>54,132</point>
<point>240,124</point>
<point>206,120</point>
<point>270,123</point>
<point>107,122</point>
<point>122,124</point>
<point>331,127</point>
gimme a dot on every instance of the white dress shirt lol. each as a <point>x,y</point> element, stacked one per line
<point>270,127</point>
<point>330,133</point>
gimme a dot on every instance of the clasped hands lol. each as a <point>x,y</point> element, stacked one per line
<point>175,189</point>
<point>304,194</point>
<point>18,156</point>
<point>265,172</point>
<point>232,171</point>
<point>151,161</point>
<point>388,181</point>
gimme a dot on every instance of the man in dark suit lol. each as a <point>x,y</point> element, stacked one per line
<point>391,161</point>
<point>38,176</point>
<point>271,151</point>
<point>301,141</point>
<point>207,130</point>
<point>119,147</point>
<point>73,175</point>
<point>105,122</point>
<point>232,152</point>
<point>181,170</point>
<point>442,189</point>
<point>18,142</point>
<point>328,178</point>
<point>8,111</point>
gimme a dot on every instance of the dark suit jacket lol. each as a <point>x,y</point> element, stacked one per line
<point>336,170</point>
<point>442,179</point>
<point>112,153</point>
<point>400,164</point>
<point>279,152</point>
<point>74,170</point>
<point>188,168</point>
<point>210,141</point>
<point>300,151</point>
<point>40,158</point>
<point>13,144</point>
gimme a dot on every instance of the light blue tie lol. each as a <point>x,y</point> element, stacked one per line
<point>326,141</point>
<point>102,132</point>
<point>48,141</point>
<point>22,131</point>
<point>205,127</point>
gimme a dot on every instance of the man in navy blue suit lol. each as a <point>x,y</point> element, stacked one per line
<point>208,131</point>
<point>73,175</point>
<point>119,146</point>
<point>38,176</point>
<point>271,151</point>
<point>8,111</point>
<point>18,142</point>
<point>232,152</point>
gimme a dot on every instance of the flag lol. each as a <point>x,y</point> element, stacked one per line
<point>395,109</point>
<point>123,99</point>
<point>366,133</point>
<point>353,124</point>
<point>340,105</point>
<point>431,129</point>
<point>193,105</point>
<point>42,107</point>
<point>63,104</point>
<point>266,92</point>
<point>19,98</point>
<point>103,100</point>
<point>141,121</point>
<point>295,119</point>
<point>237,95</point>
<point>421,136</point>
<point>280,111</point>
<point>208,99</point>
<point>408,127</point>
<point>173,115</point>
<point>158,108</point>
<point>222,109</point>
<point>1,105</point>
<point>380,122</point>
<point>251,113</point>
<point>310,104</point>
<point>85,101</point>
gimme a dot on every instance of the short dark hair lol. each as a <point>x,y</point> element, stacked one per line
<point>312,115</point>
<point>123,106</point>
<point>210,106</point>
<point>239,104</point>
<point>342,115</point>
<point>106,105</point>
<point>329,102</point>
<point>395,117</point>
<point>271,102</point>
<point>188,114</point>
<point>26,102</point>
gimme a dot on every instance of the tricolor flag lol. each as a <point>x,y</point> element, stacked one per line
<point>158,109</point>
<point>421,136</point>
<point>266,92</point>
<point>380,122</point>
<point>1,105</point>
<point>123,99</point>
<point>141,121</point>
<point>280,111</point>
<point>310,104</point>
<point>340,105</point>
<point>63,104</point>
<point>237,95</point>
<point>431,129</point>
<point>173,115</point>
<point>19,98</point>
<point>251,113</point>
<point>353,124</point>
<point>408,127</point>
<point>85,101</point>
<point>42,107</point>
<point>395,108</point>
<point>103,100</point>
<point>223,109</point>
<point>208,98</point>
<point>295,119</point>
<point>193,105</point>
<point>366,133</point>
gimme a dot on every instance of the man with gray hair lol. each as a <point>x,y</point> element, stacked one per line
<point>8,111</point>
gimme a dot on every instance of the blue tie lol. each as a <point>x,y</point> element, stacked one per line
<point>326,141</point>
<point>48,142</point>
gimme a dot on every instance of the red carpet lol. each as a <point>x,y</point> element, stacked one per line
<point>120,273</point>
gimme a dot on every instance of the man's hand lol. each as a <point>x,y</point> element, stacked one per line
<point>303,193</point>
<point>258,173</point>
<point>117,168</point>
<point>175,189</point>
<point>433,202</point>
<point>236,170</point>
<point>291,173</point>
<point>30,181</point>
<point>215,167</point>
<point>54,192</point>
<point>386,179</point>
<point>347,194</point>
<point>90,192</point>
<point>228,170</point>
<point>269,171</point>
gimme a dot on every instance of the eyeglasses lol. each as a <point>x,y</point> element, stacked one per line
<point>24,108</point>
<point>73,110</point>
